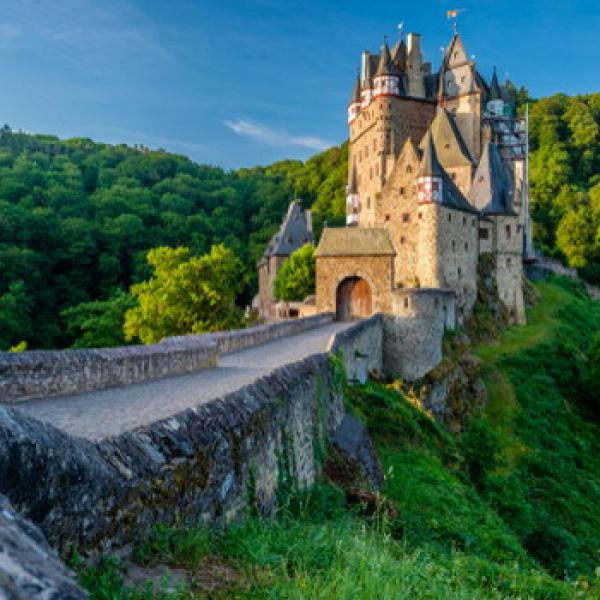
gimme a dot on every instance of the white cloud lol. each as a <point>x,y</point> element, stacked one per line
<point>274,137</point>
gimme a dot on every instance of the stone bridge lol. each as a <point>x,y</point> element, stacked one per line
<point>97,446</point>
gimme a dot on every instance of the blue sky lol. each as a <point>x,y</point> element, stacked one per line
<point>240,82</point>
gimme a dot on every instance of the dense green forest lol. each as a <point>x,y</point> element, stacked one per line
<point>77,219</point>
<point>508,509</point>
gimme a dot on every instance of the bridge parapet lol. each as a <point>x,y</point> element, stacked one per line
<point>45,373</point>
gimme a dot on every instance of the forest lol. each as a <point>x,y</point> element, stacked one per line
<point>78,221</point>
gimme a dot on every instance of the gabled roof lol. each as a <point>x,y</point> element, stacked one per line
<point>492,188</point>
<point>449,145</point>
<point>430,166</point>
<point>292,234</point>
<point>354,241</point>
<point>456,47</point>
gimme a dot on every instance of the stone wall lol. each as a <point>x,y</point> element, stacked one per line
<point>210,463</point>
<point>29,568</point>
<point>360,348</point>
<point>40,374</point>
<point>229,341</point>
<point>414,331</point>
<point>43,373</point>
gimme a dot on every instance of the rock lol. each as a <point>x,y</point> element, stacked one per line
<point>352,439</point>
<point>29,568</point>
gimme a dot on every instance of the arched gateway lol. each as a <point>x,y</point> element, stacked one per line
<point>353,299</point>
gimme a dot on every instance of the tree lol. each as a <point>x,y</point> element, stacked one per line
<point>98,324</point>
<point>15,306</point>
<point>186,294</point>
<point>296,277</point>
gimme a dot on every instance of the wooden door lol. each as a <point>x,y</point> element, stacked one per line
<point>353,299</point>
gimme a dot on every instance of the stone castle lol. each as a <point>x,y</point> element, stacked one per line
<point>437,177</point>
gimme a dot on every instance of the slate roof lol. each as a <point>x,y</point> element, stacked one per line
<point>385,66</point>
<point>430,165</point>
<point>445,133</point>
<point>292,234</point>
<point>354,241</point>
<point>492,190</point>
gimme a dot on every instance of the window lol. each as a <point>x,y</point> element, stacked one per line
<point>449,216</point>
<point>464,220</point>
<point>405,302</point>
<point>402,190</point>
<point>406,217</point>
<point>459,273</point>
<point>453,246</point>
<point>387,218</point>
<point>368,202</point>
<point>409,169</point>
<point>446,146</point>
<point>473,222</point>
<point>484,234</point>
<point>480,178</point>
<point>402,240</point>
<point>508,262</point>
<point>420,215</point>
<point>466,245</point>
<point>508,231</point>
<point>453,175</point>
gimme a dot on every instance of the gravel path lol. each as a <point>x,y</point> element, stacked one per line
<point>104,413</point>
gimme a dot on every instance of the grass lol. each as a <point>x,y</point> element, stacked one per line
<point>524,524</point>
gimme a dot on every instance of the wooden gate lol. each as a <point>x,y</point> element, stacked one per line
<point>353,299</point>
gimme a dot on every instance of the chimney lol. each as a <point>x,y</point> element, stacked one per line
<point>308,219</point>
<point>364,66</point>
<point>414,44</point>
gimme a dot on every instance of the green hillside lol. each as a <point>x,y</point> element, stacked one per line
<point>509,509</point>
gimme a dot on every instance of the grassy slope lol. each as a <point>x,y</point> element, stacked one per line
<point>446,539</point>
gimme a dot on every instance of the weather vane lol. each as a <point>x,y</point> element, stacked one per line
<point>453,14</point>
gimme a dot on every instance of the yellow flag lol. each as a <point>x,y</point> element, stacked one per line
<point>452,14</point>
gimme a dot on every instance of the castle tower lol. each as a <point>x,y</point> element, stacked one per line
<point>460,93</point>
<point>430,189</point>
<point>378,131</point>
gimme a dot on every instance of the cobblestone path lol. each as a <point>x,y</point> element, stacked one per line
<point>100,414</point>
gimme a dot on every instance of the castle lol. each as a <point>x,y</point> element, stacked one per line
<point>437,177</point>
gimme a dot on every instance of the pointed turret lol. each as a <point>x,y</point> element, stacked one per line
<point>431,174</point>
<point>430,165</point>
<point>399,56</point>
<point>495,87</point>
<point>495,103</point>
<point>386,81</point>
<point>355,101</point>
<point>366,80</point>
<point>385,62</point>
<point>356,91</point>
